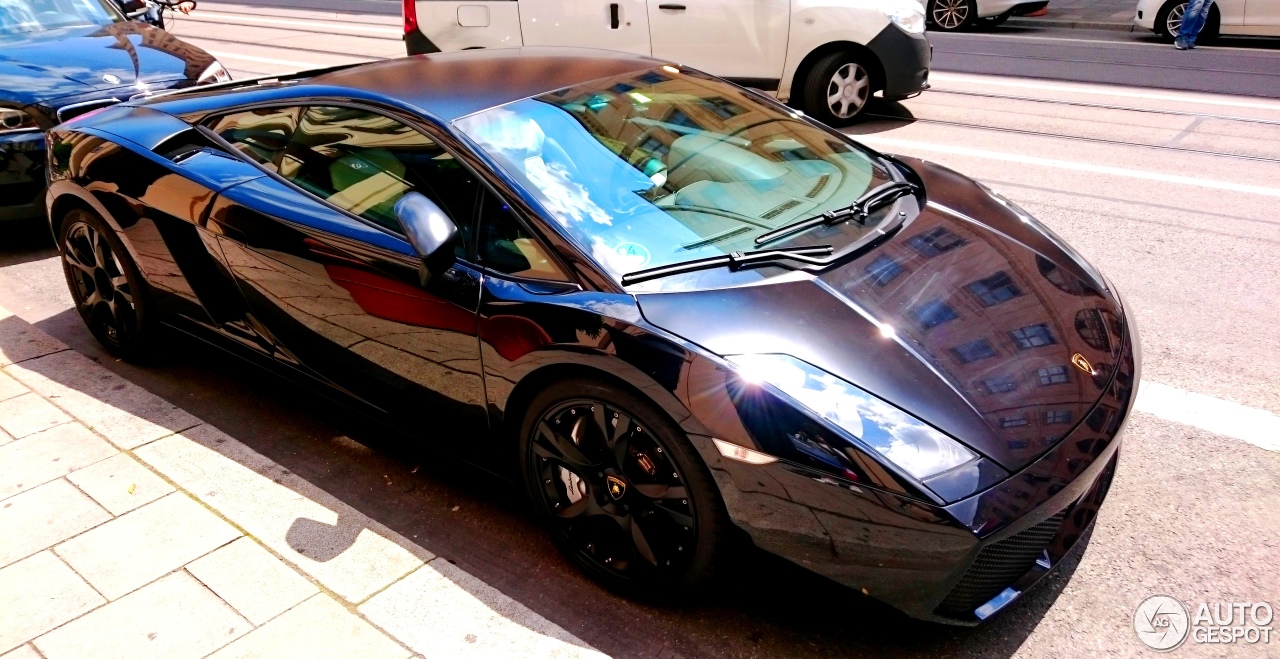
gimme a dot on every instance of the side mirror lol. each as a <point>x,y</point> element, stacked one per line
<point>431,232</point>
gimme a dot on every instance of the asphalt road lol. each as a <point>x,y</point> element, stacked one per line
<point>1229,65</point>
<point>1171,194</point>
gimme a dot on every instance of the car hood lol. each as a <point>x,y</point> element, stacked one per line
<point>47,65</point>
<point>1001,337</point>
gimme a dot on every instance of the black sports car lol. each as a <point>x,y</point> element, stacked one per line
<point>669,305</point>
<point>63,58</point>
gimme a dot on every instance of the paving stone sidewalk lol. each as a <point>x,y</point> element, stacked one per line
<point>129,528</point>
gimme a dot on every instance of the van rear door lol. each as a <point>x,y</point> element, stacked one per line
<point>743,41</point>
<point>621,25</point>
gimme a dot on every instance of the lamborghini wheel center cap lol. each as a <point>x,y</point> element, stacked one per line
<point>617,487</point>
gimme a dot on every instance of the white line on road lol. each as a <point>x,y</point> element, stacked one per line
<point>1258,427</point>
<point>1098,91</point>
<point>1109,42</point>
<point>911,145</point>
<point>243,18</point>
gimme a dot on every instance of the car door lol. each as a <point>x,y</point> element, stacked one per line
<point>1264,14</point>
<point>744,40</point>
<point>324,264</point>
<point>1232,13</point>
<point>159,193</point>
<point>621,25</point>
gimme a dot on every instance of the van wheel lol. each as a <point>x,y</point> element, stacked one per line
<point>105,284</point>
<point>837,89</point>
<point>952,15</point>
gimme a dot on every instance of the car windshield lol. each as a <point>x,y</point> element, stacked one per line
<point>24,16</point>
<point>662,166</point>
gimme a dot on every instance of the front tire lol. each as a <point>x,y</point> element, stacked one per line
<point>622,491</point>
<point>105,284</point>
<point>838,88</point>
<point>952,15</point>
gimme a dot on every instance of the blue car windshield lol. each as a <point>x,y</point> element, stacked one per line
<point>25,16</point>
<point>657,167</point>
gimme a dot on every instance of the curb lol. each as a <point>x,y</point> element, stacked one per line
<point>1076,25</point>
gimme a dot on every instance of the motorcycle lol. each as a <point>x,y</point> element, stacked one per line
<point>152,11</point>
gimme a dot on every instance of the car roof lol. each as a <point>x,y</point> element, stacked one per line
<point>453,85</point>
<point>444,86</point>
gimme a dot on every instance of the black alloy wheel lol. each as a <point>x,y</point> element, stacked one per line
<point>624,493</point>
<point>104,283</point>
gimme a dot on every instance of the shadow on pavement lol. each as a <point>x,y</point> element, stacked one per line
<point>25,241</point>
<point>765,606</point>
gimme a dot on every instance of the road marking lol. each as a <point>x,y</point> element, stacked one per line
<point>1250,424</point>
<point>1230,186</point>
<point>1128,44</point>
<point>1098,91</point>
<point>242,18</point>
<point>268,60</point>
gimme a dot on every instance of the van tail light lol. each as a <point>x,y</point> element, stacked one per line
<point>410,16</point>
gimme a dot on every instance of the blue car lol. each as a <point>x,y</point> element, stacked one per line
<point>670,307</point>
<point>63,58</point>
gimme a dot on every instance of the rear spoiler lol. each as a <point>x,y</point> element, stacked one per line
<point>260,81</point>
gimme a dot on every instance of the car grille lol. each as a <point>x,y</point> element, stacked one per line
<point>998,565</point>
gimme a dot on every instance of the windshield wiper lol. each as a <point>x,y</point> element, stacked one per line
<point>877,197</point>
<point>734,261</point>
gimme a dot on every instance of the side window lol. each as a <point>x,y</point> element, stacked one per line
<point>506,247</point>
<point>364,163</point>
<point>261,134</point>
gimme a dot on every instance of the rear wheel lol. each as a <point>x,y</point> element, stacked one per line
<point>952,15</point>
<point>105,284</point>
<point>624,493</point>
<point>837,88</point>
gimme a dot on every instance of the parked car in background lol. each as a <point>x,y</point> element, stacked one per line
<point>665,305</point>
<point>956,15</point>
<point>62,58</point>
<point>1252,18</point>
<point>825,56</point>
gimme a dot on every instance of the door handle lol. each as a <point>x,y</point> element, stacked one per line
<point>672,7</point>
<point>613,16</point>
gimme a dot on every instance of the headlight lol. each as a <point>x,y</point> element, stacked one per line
<point>1057,240</point>
<point>215,73</point>
<point>909,17</point>
<point>901,438</point>
<point>16,121</point>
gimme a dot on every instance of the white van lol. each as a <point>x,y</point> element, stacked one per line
<point>828,56</point>
<point>1255,18</point>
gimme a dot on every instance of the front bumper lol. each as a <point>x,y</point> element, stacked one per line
<point>904,59</point>
<point>22,179</point>
<point>954,564</point>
